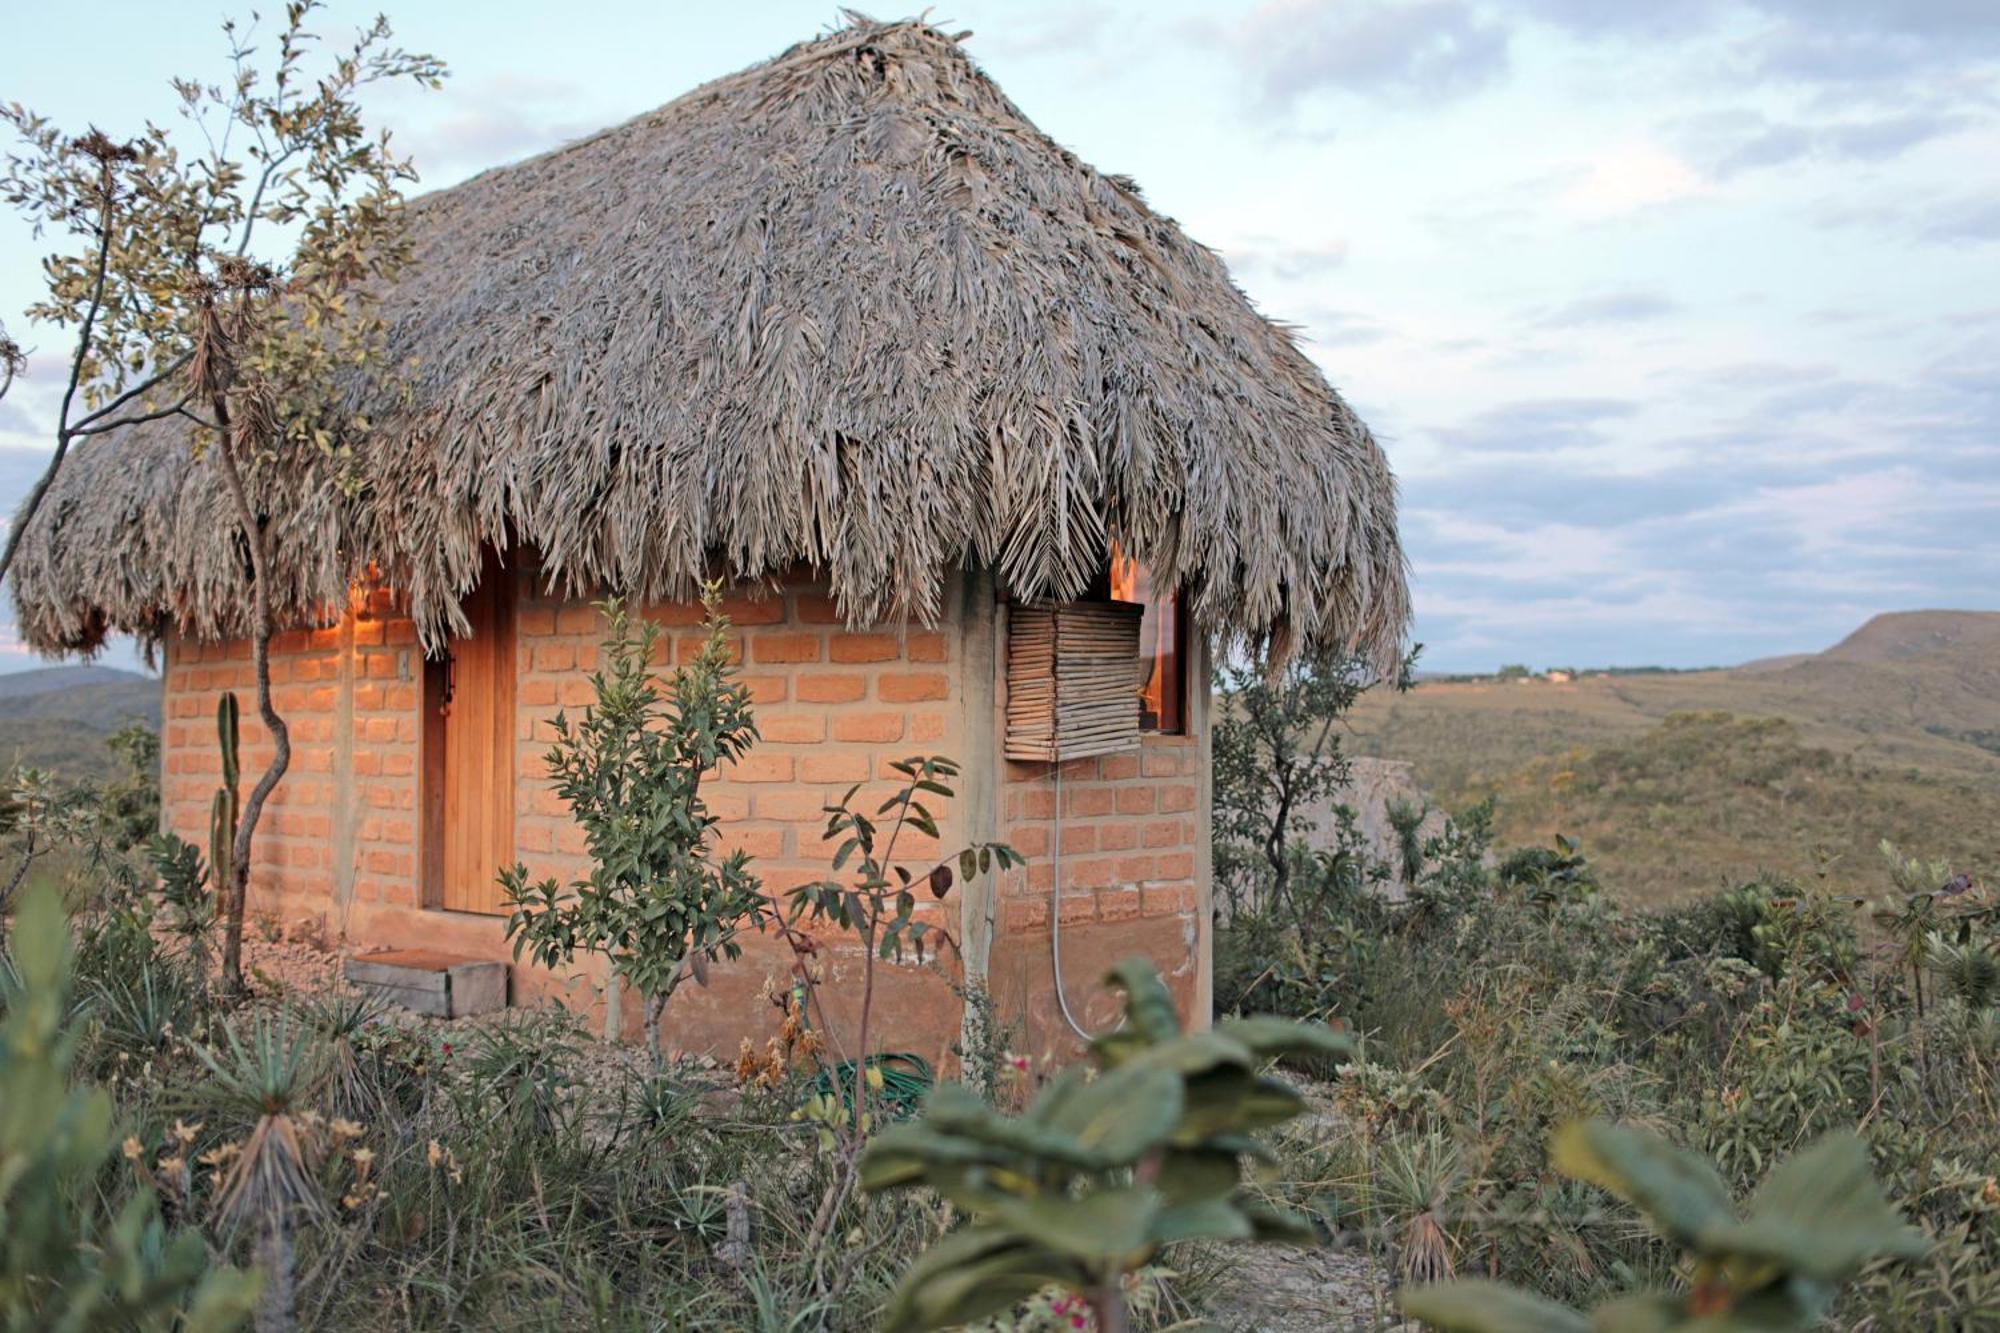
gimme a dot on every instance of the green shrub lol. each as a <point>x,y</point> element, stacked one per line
<point>1815,1222</point>
<point>1099,1174</point>
<point>66,1261</point>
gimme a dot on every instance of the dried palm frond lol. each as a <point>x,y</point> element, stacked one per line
<point>846,311</point>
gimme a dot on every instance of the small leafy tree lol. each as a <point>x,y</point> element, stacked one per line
<point>178,306</point>
<point>1099,1174</point>
<point>874,895</point>
<point>658,902</point>
<point>65,1263</point>
<point>1813,1224</point>
<point>1276,750</point>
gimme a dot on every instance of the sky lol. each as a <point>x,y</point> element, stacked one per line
<point>1679,320</point>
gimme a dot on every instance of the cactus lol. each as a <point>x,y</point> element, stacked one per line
<point>222,813</point>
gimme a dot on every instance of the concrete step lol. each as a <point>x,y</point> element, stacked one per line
<point>425,981</point>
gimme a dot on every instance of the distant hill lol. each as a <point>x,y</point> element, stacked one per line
<point>1893,732</point>
<point>58,717</point>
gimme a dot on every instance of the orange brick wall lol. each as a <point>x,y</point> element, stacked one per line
<point>340,837</point>
<point>1132,881</point>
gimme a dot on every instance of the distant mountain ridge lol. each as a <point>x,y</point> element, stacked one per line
<point>1893,732</point>
<point>58,717</point>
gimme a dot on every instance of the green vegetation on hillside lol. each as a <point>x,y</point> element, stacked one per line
<point>1675,783</point>
<point>1704,798</point>
<point>58,718</point>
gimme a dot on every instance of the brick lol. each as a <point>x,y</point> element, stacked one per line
<point>868,728</point>
<point>1177,798</point>
<point>1136,800</point>
<point>836,767</point>
<point>1078,838</point>
<point>765,689</point>
<point>792,728</point>
<point>535,693</point>
<point>779,648</point>
<point>753,841</point>
<point>1132,869</point>
<point>1077,908</point>
<point>1118,905</point>
<point>861,648</point>
<point>754,610</point>
<point>674,613</point>
<point>1085,802</point>
<point>1119,835</point>
<point>1167,900</point>
<point>912,687</point>
<point>1163,833</point>
<point>830,687</point>
<point>1032,840</point>
<point>1159,762</point>
<point>927,726</point>
<point>759,767</point>
<point>691,646</point>
<point>814,608</point>
<point>536,622</point>
<point>1118,767</point>
<point>925,646</point>
<point>793,806</point>
<point>554,657</point>
<point>1026,914</point>
<point>1175,865</point>
<point>583,619</point>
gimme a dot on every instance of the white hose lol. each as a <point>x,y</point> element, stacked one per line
<point>1055,919</point>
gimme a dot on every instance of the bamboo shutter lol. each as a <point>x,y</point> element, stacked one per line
<point>1073,678</point>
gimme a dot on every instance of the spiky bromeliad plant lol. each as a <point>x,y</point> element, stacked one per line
<point>1100,1173</point>
<point>261,1075</point>
<point>1812,1225</point>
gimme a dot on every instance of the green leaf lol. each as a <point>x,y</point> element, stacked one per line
<point>1678,1190</point>
<point>1123,1114</point>
<point>1111,1225</point>
<point>977,1272</point>
<point>1488,1307</point>
<point>1820,1213</point>
<point>1268,1035</point>
<point>1149,1006</point>
<point>1188,1175</point>
<point>1207,1219</point>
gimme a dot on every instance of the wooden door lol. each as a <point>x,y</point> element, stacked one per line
<point>468,751</point>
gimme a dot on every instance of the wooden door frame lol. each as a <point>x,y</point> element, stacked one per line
<point>431,745</point>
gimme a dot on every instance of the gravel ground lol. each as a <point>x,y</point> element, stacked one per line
<point>1278,1289</point>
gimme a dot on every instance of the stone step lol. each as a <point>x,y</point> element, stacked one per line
<point>425,981</point>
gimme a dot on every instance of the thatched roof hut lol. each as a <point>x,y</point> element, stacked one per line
<point>847,310</point>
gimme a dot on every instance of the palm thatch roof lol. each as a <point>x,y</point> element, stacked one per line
<point>847,310</point>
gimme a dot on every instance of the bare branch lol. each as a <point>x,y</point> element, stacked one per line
<point>89,423</point>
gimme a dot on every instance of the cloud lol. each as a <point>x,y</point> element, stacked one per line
<point>1327,327</point>
<point>1539,425</point>
<point>1609,308</point>
<point>1726,144</point>
<point>1424,49</point>
<point>1629,179</point>
<point>501,119</point>
<point>1970,221</point>
<point>1075,30</point>
<point>1290,261</point>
